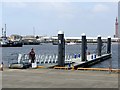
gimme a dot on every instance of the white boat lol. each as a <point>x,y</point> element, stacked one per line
<point>4,42</point>
<point>71,43</point>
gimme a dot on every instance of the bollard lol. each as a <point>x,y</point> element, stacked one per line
<point>91,56</point>
<point>75,56</point>
<point>109,45</point>
<point>99,45</point>
<point>61,49</point>
<point>94,56</point>
<point>69,65</point>
<point>79,55</point>
<point>84,48</point>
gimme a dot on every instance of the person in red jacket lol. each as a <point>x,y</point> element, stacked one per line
<point>32,55</point>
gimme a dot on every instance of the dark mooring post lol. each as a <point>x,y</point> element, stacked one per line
<point>99,45</point>
<point>109,45</point>
<point>84,48</point>
<point>61,49</point>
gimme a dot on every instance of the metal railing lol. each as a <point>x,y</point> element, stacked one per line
<point>41,59</point>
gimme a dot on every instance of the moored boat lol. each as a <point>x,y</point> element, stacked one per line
<point>5,42</point>
<point>71,43</point>
<point>11,44</point>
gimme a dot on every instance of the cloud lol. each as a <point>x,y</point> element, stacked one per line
<point>62,9</point>
<point>99,8</point>
<point>14,4</point>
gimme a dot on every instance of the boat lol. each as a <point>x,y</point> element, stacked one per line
<point>4,42</point>
<point>7,43</point>
<point>71,43</point>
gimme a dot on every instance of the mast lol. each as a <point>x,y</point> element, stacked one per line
<point>116,28</point>
<point>2,32</point>
<point>5,31</point>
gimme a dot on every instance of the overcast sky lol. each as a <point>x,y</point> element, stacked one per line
<point>47,18</point>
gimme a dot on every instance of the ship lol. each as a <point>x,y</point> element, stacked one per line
<point>10,44</point>
<point>4,42</point>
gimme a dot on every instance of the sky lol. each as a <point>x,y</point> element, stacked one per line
<point>47,18</point>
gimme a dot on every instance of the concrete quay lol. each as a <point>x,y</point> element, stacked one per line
<point>52,78</point>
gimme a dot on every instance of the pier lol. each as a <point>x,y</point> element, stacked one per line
<point>52,60</point>
<point>87,60</point>
<point>78,63</point>
<point>61,60</point>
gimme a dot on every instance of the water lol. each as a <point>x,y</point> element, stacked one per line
<point>10,53</point>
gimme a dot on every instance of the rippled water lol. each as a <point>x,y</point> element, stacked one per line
<point>10,53</point>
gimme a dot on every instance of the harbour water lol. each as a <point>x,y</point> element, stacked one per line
<point>10,53</point>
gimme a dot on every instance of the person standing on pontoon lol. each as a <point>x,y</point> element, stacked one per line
<point>32,55</point>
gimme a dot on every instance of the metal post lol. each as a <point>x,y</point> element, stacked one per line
<point>109,45</point>
<point>109,51</point>
<point>99,45</point>
<point>84,48</point>
<point>61,49</point>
